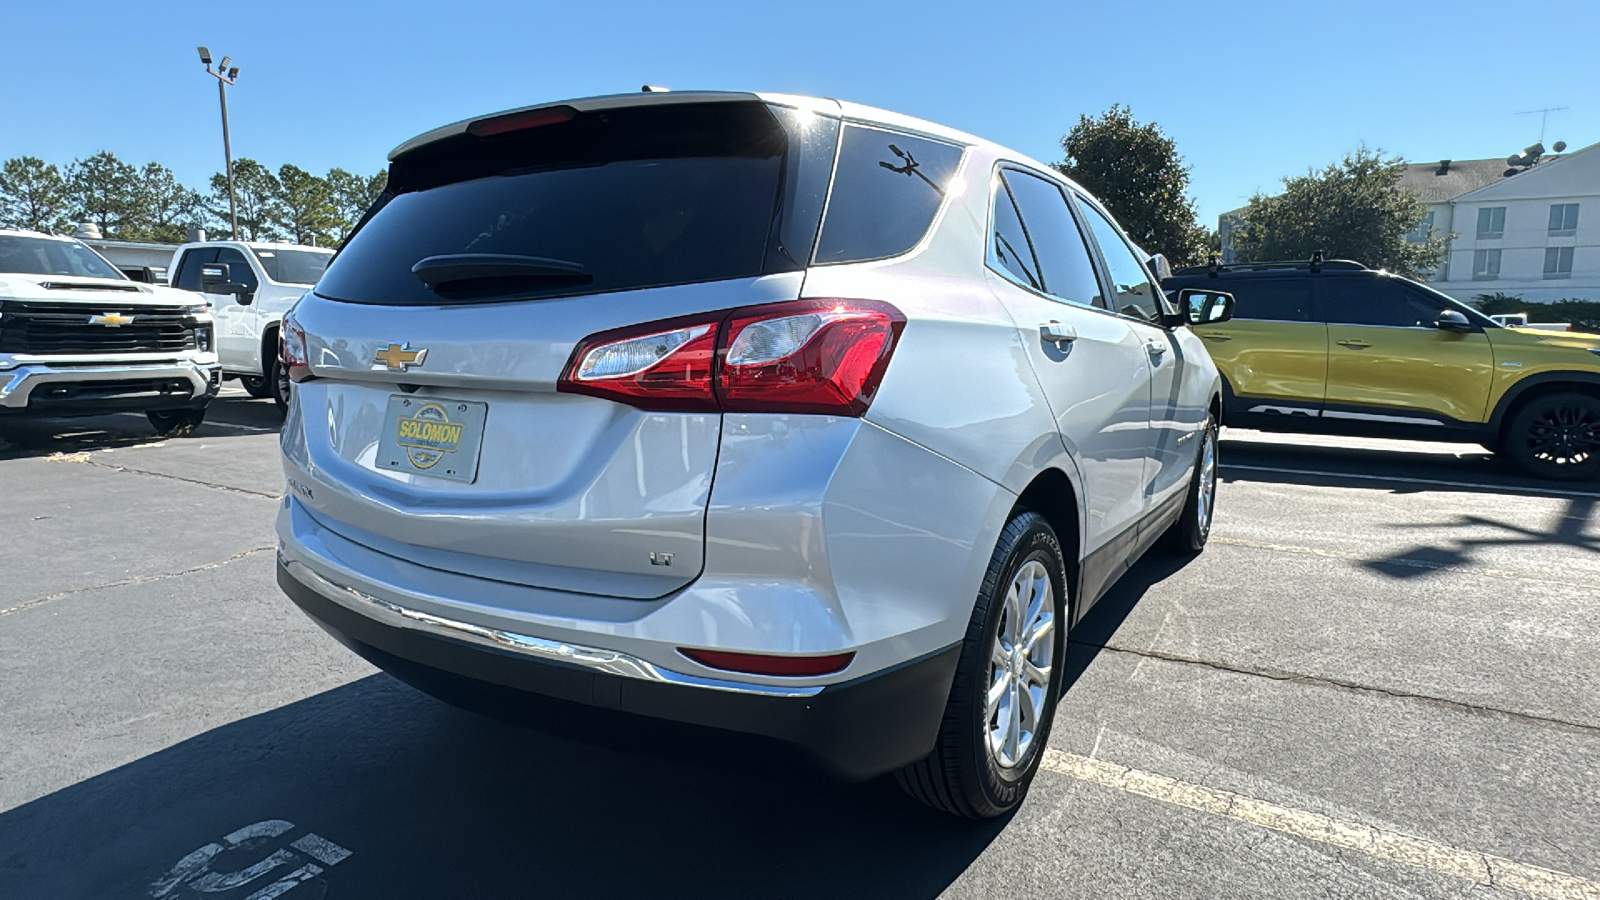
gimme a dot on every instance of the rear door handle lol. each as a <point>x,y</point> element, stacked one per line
<point>1058,333</point>
<point>1216,336</point>
<point>1354,345</point>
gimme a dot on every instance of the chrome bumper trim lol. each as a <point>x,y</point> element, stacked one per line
<point>609,662</point>
<point>17,384</point>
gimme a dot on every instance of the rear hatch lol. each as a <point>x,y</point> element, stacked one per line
<point>433,428</point>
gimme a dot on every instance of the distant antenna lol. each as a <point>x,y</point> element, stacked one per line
<point>1544,116</point>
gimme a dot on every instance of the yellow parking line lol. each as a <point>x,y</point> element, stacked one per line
<point>1393,846</point>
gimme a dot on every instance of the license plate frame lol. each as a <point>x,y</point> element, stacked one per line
<point>435,437</point>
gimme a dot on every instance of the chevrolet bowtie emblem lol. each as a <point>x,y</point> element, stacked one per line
<point>399,356</point>
<point>111,320</point>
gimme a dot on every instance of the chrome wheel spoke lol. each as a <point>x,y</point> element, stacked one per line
<point>1041,631</point>
<point>1014,729</point>
<point>1036,675</point>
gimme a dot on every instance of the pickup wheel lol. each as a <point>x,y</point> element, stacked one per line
<point>1556,436</point>
<point>175,422</point>
<point>1007,681</point>
<point>256,386</point>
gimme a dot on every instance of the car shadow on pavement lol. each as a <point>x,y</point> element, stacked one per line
<point>31,437</point>
<point>433,802</point>
<point>1474,533</point>
<point>1095,630</point>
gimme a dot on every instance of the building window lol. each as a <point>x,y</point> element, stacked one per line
<point>1563,219</point>
<point>1420,233</point>
<point>1558,262</point>
<point>1485,265</point>
<point>1491,223</point>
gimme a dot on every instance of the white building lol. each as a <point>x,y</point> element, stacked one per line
<point>1534,233</point>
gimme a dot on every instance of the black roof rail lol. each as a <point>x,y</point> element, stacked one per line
<point>1213,270</point>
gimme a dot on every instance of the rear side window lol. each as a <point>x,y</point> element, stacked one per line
<point>1011,248</point>
<point>1064,261</point>
<point>629,198</point>
<point>292,266</point>
<point>887,189</point>
<point>1271,300</point>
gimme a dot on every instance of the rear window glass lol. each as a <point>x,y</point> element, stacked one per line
<point>887,188</point>
<point>637,197</point>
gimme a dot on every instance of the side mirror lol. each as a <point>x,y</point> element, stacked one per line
<point>241,292</point>
<point>214,273</point>
<point>1161,267</point>
<point>1202,307</point>
<point>1452,320</point>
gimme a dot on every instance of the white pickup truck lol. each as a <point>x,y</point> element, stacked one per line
<point>78,338</point>
<point>250,285</point>
<point>1520,320</point>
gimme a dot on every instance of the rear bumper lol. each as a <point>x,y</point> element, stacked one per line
<point>855,729</point>
<point>89,389</point>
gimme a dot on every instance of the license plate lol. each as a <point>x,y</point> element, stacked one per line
<point>432,436</point>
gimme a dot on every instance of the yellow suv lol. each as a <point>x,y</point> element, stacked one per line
<point>1335,347</point>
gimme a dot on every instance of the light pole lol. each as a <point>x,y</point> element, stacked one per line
<point>225,76</point>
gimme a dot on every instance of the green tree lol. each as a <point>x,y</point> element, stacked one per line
<point>166,208</point>
<point>304,207</point>
<point>1352,209</point>
<point>352,194</point>
<point>1135,170</point>
<point>104,190</point>
<point>33,195</point>
<point>256,192</point>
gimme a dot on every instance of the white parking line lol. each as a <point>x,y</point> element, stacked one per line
<point>1393,846</point>
<point>1357,476</point>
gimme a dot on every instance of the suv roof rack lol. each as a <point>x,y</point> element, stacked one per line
<point>1315,264</point>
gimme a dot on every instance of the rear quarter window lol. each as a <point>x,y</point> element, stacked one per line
<point>887,188</point>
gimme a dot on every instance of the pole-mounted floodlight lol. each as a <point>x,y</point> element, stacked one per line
<point>225,76</point>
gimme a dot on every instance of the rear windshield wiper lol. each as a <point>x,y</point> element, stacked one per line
<point>477,272</point>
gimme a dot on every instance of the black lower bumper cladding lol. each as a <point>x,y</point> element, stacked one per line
<point>855,730</point>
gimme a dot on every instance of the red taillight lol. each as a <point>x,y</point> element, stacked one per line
<point>762,664</point>
<point>805,356</point>
<point>292,353</point>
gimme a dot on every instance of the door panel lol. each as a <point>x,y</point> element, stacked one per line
<point>1092,366</point>
<point>1274,349</point>
<point>1385,355</point>
<point>1098,387</point>
<point>1425,370</point>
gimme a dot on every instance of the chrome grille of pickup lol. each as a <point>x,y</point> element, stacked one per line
<point>56,329</point>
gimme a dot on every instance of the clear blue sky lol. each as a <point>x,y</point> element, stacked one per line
<point>1250,90</point>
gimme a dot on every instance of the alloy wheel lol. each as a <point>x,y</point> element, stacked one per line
<point>1565,435</point>
<point>1020,665</point>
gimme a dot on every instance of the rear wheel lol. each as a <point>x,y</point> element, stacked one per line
<point>1193,528</point>
<point>1556,436</point>
<point>175,422</point>
<point>256,386</point>
<point>1007,682</point>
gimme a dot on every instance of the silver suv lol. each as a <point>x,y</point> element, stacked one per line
<point>773,414</point>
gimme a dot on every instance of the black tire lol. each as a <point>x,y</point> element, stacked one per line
<point>278,378</point>
<point>962,775</point>
<point>1556,436</point>
<point>257,386</point>
<point>1189,534</point>
<point>175,422</point>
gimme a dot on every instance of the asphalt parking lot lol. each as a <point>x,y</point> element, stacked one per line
<point>1382,679</point>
